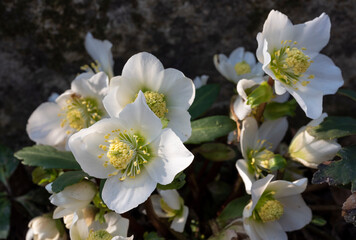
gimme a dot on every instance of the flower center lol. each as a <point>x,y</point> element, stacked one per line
<point>258,158</point>
<point>126,151</point>
<point>99,235</point>
<point>157,103</point>
<point>242,68</point>
<point>81,112</point>
<point>271,210</point>
<point>290,63</point>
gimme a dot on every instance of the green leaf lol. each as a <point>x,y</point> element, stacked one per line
<point>151,236</point>
<point>318,221</point>
<point>216,151</point>
<point>47,157</point>
<point>339,172</point>
<point>233,210</point>
<point>263,93</point>
<point>177,183</point>
<point>34,201</point>
<point>204,98</point>
<point>8,164</point>
<point>348,93</point>
<point>275,110</point>
<point>5,210</point>
<point>209,128</point>
<point>334,127</point>
<point>67,179</point>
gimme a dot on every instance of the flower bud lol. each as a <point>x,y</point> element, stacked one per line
<point>44,228</point>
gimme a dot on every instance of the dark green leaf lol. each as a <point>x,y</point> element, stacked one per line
<point>216,151</point>
<point>5,210</point>
<point>177,183</point>
<point>151,236</point>
<point>233,210</point>
<point>339,172</point>
<point>219,190</point>
<point>204,98</point>
<point>348,93</point>
<point>334,127</point>
<point>8,164</point>
<point>34,202</point>
<point>67,179</point>
<point>47,157</point>
<point>209,128</point>
<point>275,110</point>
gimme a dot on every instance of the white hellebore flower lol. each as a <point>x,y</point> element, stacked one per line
<point>133,152</point>
<point>168,92</point>
<point>52,123</point>
<point>257,146</point>
<point>290,55</point>
<point>100,51</point>
<point>309,150</point>
<point>276,207</point>
<point>72,198</point>
<point>168,204</point>
<point>239,65</point>
<point>200,81</point>
<point>44,228</point>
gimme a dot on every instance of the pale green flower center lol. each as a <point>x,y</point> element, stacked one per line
<point>258,158</point>
<point>126,151</point>
<point>271,210</point>
<point>156,102</point>
<point>290,63</point>
<point>99,235</point>
<point>242,68</point>
<point>81,112</point>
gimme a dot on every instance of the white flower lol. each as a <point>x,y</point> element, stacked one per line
<point>100,51</point>
<point>276,207</point>
<point>170,205</point>
<point>309,150</point>
<point>52,123</point>
<point>200,81</point>
<point>72,198</point>
<point>133,152</point>
<point>168,92</point>
<point>290,55</point>
<point>239,65</point>
<point>257,146</point>
<point>44,228</point>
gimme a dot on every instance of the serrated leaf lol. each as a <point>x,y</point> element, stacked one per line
<point>348,93</point>
<point>209,128</point>
<point>8,164</point>
<point>233,210</point>
<point>334,127</point>
<point>34,202</point>
<point>216,152</point>
<point>67,179</point>
<point>339,172</point>
<point>177,183</point>
<point>5,210</point>
<point>204,98</point>
<point>47,157</point>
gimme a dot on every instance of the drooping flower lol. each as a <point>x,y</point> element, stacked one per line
<point>52,123</point>
<point>257,147</point>
<point>276,207</point>
<point>240,64</point>
<point>309,150</point>
<point>133,152</point>
<point>44,228</point>
<point>290,55</point>
<point>168,92</point>
<point>73,198</point>
<point>168,204</point>
<point>200,81</point>
<point>100,51</point>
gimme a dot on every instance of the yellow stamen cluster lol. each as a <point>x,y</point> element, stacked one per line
<point>242,68</point>
<point>271,210</point>
<point>156,102</point>
<point>94,67</point>
<point>297,61</point>
<point>99,235</point>
<point>119,154</point>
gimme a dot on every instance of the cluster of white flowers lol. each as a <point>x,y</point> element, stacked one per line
<point>129,130</point>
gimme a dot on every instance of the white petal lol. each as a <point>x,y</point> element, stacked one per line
<point>248,133</point>
<point>178,89</point>
<point>273,131</point>
<point>156,204</point>
<point>281,98</point>
<point>243,85</point>
<point>250,58</point>
<point>279,87</point>
<point>95,86</point>
<point>179,122</point>
<point>44,125</point>
<point>250,229</point>
<point>241,109</point>
<point>317,121</point>
<point>296,213</point>
<point>178,223</point>
<point>258,188</point>
<point>144,68</point>
<point>286,189</point>
<point>247,177</point>
<point>172,158</point>
<point>225,68</point>
<point>237,55</point>
<point>101,52</point>
<point>171,197</point>
<point>114,224</point>
<point>60,212</point>
<point>259,51</point>
<point>270,230</point>
<point>122,196</point>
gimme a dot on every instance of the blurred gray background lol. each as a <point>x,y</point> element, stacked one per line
<point>41,44</point>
